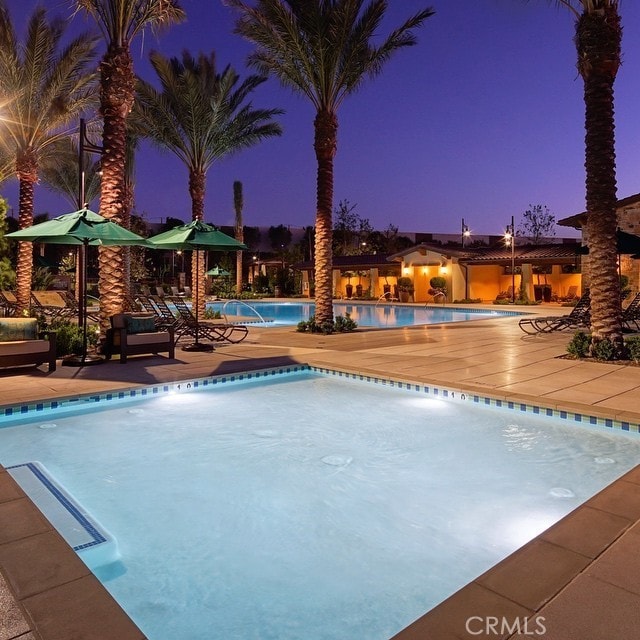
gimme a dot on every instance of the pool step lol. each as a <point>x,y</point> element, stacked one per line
<point>94,544</point>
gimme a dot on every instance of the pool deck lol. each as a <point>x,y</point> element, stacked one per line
<point>579,579</point>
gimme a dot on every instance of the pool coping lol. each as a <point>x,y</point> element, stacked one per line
<point>72,600</point>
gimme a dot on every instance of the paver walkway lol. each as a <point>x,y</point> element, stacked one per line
<point>591,560</point>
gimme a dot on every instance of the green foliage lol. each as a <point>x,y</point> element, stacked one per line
<point>582,345</point>
<point>210,314</point>
<point>341,324</point>
<point>604,349</point>
<point>405,284</point>
<point>438,282</point>
<point>633,348</point>
<point>579,345</point>
<point>538,223</point>
<point>69,337</point>
<point>468,301</point>
<point>42,279</point>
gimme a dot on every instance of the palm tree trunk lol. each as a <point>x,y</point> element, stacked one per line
<point>197,188</point>
<point>116,100</point>
<point>325,145</point>
<point>237,204</point>
<point>27,173</point>
<point>598,38</point>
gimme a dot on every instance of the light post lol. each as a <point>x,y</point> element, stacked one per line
<point>84,146</point>
<point>465,234</point>
<point>510,240</point>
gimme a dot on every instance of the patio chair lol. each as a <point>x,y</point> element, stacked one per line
<point>52,304</point>
<point>175,292</point>
<point>631,315</point>
<point>572,294</point>
<point>187,291</point>
<point>578,317</point>
<point>72,303</point>
<point>214,331</point>
<point>8,302</point>
<point>162,314</point>
<point>160,292</point>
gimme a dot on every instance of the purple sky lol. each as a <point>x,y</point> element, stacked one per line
<point>482,118</point>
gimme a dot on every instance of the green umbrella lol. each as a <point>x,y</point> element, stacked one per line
<point>84,228</point>
<point>196,235</point>
<point>77,228</point>
<point>218,272</point>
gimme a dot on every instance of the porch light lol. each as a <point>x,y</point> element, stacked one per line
<point>405,271</point>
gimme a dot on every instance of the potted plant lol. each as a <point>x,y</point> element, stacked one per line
<point>438,287</point>
<point>405,288</point>
<point>349,287</point>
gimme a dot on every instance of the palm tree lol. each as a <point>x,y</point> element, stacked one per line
<point>237,205</point>
<point>598,43</point>
<point>324,50</point>
<point>201,116</point>
<point>48,88</point>
<point>120,21</point>
<point>60,174</point>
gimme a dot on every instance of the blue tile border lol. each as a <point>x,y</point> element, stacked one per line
<point>8,413</point>
<point>96,536</point>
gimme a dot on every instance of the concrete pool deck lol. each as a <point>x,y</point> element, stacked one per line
<point>580,576</point>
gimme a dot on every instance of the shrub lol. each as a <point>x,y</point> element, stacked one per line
<point>405,284</point>
<point>210,314</point>
<point>579,345</point>
<point>438,282</point>
<point>604,349</point>
<point>339,325</point>
<point>633,348</point>
<point>69,338</point>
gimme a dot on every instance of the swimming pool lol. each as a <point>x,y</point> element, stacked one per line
<point>310,506</point>
<point>366,315</point>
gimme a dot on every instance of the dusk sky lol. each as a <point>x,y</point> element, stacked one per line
<point>482,118</point>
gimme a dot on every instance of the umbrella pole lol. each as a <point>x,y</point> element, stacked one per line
<point>197,345</point>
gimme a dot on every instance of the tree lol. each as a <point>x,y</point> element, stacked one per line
<point>538,223</point>
<point>120,21</point>
<point>61,175</point>
<point>324,50</point>
<point>47,87</point>
<point>598,44</point>
<point>239,235</point>
<point>7,274</point>
<point>201,116</point>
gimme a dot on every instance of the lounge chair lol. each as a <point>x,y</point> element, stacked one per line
<point>52,304</point>
<point>160,292</point>
<point>175,292</point>
<point>187,291</point>
<point>162,314</point>
<point>631,315</point>
<point>8,302</point>
<point>572,294</point>
<point>579,317</point>
<point>72,303</point>
<point>214,331</point>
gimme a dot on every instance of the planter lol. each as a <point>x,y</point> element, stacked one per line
<point>404,296</point>
<point>359,290</point>
<point>349,290</point>
<point>277,292</point>
<point>386,288</point>
<point>542,292</point>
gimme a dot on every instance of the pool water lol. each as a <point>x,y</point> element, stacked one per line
<point>366,315</point>
<point>310,506</point>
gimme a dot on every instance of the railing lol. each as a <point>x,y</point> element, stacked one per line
<point>387,297</point>
<point>246,304</point>
<point>434,297</point>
